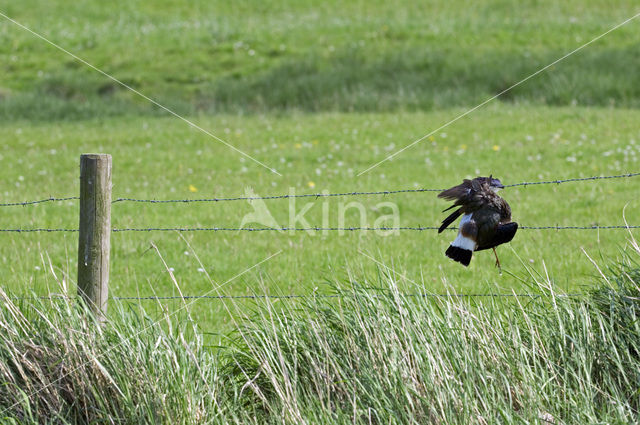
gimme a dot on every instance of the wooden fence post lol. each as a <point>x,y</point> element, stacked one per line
<point>95,231</point>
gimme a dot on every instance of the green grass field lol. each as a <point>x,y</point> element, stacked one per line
<point>320,93</point>
<point>148,164</point>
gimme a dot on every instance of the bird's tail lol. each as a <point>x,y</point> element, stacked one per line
<point>447,221</point>
<point>461,255</point>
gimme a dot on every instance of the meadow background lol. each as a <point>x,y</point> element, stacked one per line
<point>321,91</point>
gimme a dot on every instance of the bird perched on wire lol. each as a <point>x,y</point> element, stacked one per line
<point>486,218</point>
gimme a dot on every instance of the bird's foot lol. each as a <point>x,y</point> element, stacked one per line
<point>497,261</point>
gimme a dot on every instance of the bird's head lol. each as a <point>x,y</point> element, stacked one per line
<point>494,184</point>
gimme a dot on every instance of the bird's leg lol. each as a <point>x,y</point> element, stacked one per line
<point>497,261</point>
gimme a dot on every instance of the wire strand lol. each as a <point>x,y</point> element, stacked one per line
<point>314,195</point>
<point>380,192</point>
<point>578,179</point>
<point>298,296</point>
<point>288,196</point>
<point>308,229</point>
<point>40,201</point>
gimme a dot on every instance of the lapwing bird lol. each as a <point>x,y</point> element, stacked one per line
<point>486,218</point>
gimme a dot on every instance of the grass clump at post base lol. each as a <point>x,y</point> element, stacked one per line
<point>57,365</point>
<point>363,356</point>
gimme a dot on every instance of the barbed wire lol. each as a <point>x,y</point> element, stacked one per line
<point>37,230</point>
<point>579,179</point>
<point>315,195</point>
<point>272,229</point>
<point>40,201</point>
<point>593,227</point>
<point>294,296</point>
<point>288,196</point>
<point>348,229</point>
<point>382,192</point>
<point>299,296</point>
<point>310,229</point>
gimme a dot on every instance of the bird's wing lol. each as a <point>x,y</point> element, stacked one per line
<point>505,211</point>
<point>458,192</point>
<point>502,234</point>
<point>450,219</point>
<point>487,219</point>
<point>494,223</point>
<point>471,195</point>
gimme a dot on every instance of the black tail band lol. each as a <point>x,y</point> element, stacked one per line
<point>462,256</point>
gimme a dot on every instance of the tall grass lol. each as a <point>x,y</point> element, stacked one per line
<point>380,357</point>
<point>371,354</point>
<point>59,366</point>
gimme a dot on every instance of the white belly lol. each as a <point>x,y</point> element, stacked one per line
<point>462,241</point>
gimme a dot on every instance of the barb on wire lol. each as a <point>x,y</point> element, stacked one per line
<point>40,201</point>
<point>310,229</point>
